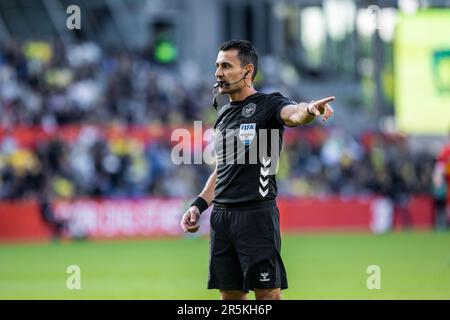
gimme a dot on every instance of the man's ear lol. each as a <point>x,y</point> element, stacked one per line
<point>249,69</point>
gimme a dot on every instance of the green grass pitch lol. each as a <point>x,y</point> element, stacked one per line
<point>413,265</point>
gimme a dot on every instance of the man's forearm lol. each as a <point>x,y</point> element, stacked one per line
<point>208,191</point>
<point>296,114</point>
<point>301,115</point>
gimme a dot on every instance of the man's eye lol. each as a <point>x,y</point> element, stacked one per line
<point>224,66</point>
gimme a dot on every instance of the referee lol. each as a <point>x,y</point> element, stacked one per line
<point>245,243</point>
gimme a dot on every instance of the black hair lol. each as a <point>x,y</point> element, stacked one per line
<point>246,53</point>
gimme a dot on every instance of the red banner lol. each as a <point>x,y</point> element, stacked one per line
<point>21,221</point>
<point>161,217</point>
<point>124,218</point>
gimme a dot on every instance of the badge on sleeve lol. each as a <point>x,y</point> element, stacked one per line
<point>247,133</point>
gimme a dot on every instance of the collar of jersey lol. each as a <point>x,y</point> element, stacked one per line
<point>240,102</point>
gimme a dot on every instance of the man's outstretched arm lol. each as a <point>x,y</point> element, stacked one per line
<point>189,221</point>
<point>303,113</point>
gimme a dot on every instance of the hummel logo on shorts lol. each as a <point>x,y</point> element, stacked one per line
<point>264,276</point>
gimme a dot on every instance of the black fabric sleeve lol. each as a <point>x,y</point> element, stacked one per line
<point>276,102</point>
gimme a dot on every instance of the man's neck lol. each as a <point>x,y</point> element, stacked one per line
<point>242,94</point>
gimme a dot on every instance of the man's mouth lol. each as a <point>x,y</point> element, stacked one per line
<point>221,83</point>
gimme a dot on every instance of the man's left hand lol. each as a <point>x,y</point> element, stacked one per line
<point>321,107</point>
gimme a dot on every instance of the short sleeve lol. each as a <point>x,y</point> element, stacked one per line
<point>276,102</point>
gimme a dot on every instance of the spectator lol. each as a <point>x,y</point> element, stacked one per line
<point>441,190</point>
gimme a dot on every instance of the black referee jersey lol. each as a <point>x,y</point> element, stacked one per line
<point>248,141</point>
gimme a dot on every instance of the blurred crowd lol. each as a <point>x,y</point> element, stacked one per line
<point>323,163</point>
<point>48,86</point>
<point>334,162</point>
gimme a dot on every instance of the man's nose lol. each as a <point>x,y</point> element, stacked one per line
<point>218,73</point>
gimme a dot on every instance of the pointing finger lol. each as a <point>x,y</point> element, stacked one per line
<point>323,101</point>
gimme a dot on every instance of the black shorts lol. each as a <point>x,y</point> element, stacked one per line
<point>245,248</point>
